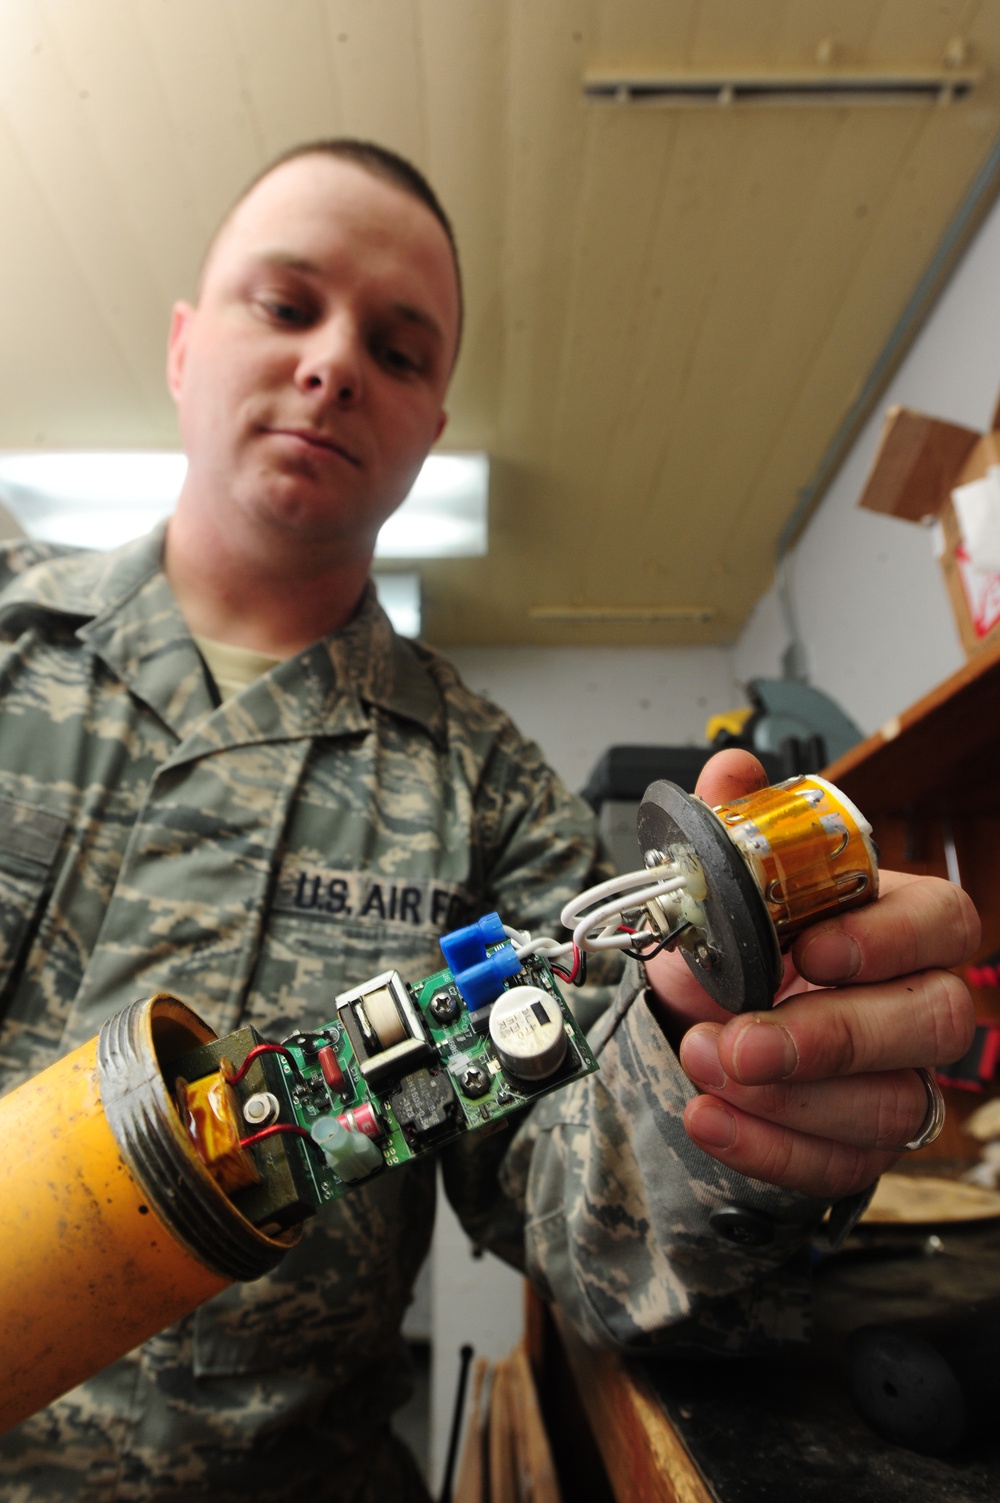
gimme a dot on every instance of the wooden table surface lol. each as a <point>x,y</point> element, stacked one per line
<point>781,1429</point>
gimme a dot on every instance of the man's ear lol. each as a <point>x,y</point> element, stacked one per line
<point>180,325</point>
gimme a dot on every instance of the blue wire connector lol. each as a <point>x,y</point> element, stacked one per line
<point>480,976</point>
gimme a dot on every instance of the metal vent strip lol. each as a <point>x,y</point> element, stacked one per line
<point>641,613</point>
<point>838,89</point>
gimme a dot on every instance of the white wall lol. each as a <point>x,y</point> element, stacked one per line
<point>870,598</point>
<point>577,701</point>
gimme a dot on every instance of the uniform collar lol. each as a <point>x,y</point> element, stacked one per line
<point>124,610</point>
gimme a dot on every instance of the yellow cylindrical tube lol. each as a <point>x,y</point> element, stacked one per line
<point>809,849</point>
<point>93,1259</point>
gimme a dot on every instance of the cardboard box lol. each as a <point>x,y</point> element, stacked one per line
<point>920,461</point>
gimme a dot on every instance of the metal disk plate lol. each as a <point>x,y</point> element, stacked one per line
<point>743,970</point>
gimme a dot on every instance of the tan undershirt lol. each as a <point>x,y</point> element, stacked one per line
<point>233,668</point>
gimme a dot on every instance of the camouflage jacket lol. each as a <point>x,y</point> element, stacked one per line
<point>252,858</point>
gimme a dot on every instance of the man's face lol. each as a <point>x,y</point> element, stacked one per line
<point>309,378</point>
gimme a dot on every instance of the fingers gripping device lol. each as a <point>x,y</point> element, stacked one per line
<point>158,1163</point>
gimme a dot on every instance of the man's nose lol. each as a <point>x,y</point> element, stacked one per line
<point>330,365</point>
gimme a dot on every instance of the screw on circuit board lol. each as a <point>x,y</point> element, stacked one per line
<point>444,1007</point>
<point>474,1081</point>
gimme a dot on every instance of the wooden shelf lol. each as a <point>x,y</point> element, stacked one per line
<point>944,750</point>
<point>930,775</point>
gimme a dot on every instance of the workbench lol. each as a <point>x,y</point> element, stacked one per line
<point>780,1429</point>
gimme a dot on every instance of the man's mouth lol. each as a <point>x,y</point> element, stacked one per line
<point>315,440</point>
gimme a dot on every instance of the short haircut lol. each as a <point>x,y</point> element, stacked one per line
<point>376,160</point>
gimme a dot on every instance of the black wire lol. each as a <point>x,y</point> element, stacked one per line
<point>580,978</point>
<point>664,942</point>
<point>465,1357</point>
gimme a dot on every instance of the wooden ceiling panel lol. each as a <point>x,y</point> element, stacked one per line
<point>686,260</point>
<point>615,226</point>
<point>740,33</point>
<point>85,371</point>
<point>796,304</point>
<point>708,419</point>
<point>268,57</point>
<point>87,239</point>
<point>464,66</point>
<point>376,49</point>
<point>214,134</point>
<point>926,30</point>
<point>543,121</point>
<point>670,311</point>
<point>865,312</point>
<point>102,79</point>
<point>623,35</point>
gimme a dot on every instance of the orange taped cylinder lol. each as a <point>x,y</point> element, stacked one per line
<point>110,1226</point>
<point>809,848</point>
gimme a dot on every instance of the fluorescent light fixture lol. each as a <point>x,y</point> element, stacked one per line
<point>399,597</point>
<point>444,516</point>
<point>98,500</point>
<point>90,500</point>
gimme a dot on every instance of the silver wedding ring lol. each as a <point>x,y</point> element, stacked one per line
<point>933,1122</point>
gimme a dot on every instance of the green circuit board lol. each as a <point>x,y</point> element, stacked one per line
<point>444,1071</point>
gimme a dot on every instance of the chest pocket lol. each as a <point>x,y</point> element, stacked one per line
<point>30,841</point>
<point>304,964</point>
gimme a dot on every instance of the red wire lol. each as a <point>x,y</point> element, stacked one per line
<point>258,1050</point>
<point>570,976</point>
<point>269,1132</point>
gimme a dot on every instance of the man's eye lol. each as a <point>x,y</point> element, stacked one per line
<point>292,315</point>
<point>399,360</point>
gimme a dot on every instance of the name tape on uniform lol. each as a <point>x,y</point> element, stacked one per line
<point>419,903</point>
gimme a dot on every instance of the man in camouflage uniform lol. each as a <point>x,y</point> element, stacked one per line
<point>345,805</point>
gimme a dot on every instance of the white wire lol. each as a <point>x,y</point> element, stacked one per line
<point>628,892</point>
<point>613,886</point>
<point>610,939</point>
<point>543,945</point>
<point>524,945</point>
<point>615,909</point>
<point>614,913</point>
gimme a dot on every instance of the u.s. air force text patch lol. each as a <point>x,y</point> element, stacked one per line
<point>419,903</point>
